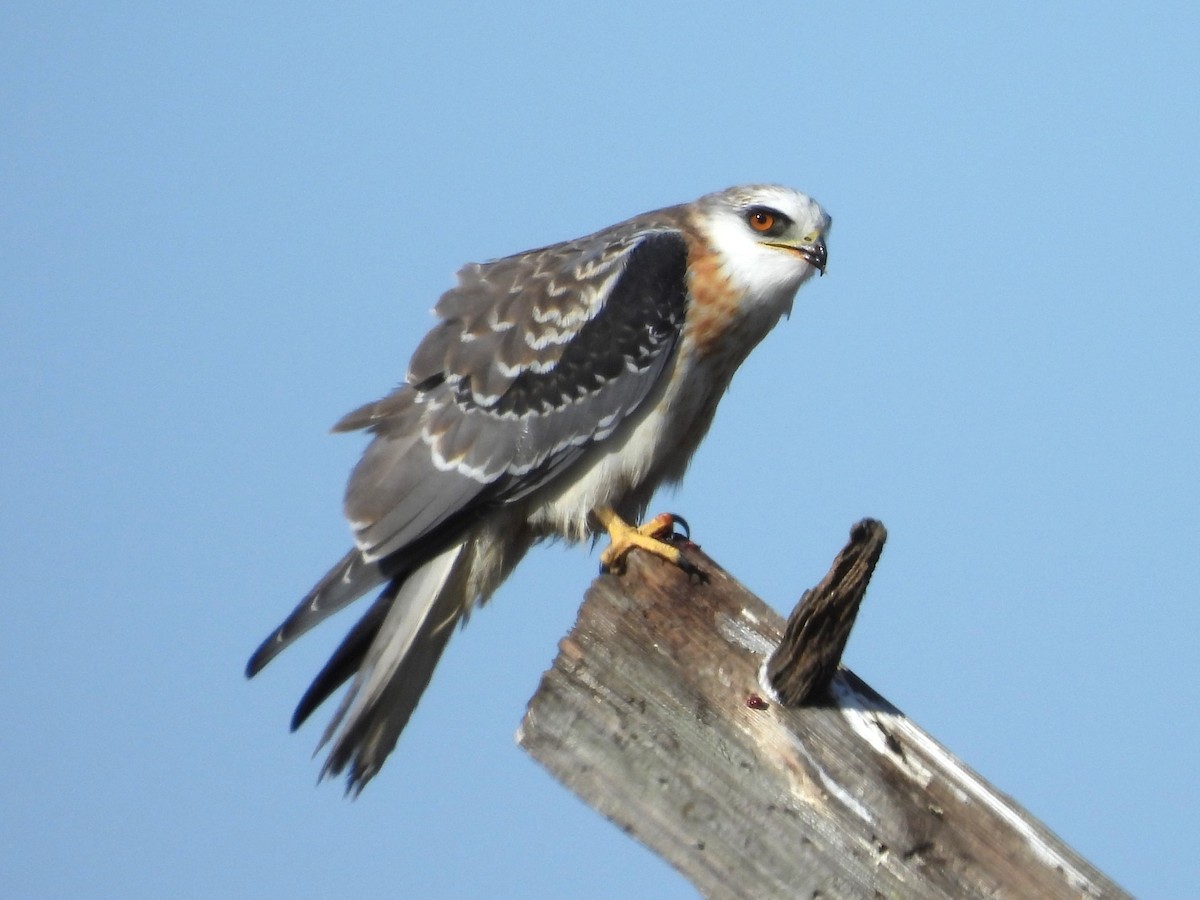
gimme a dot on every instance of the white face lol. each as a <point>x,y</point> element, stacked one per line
<point>771,237</point>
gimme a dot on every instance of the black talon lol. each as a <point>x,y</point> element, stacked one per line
<point>680,520</point>
<point>606,569</point>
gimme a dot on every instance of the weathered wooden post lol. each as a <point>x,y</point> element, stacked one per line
<point>749,760</point>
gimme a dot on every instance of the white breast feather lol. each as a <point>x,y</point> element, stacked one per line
<point>622,462</point>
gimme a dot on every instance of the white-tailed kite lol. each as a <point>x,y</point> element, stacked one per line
<point>559,388</point>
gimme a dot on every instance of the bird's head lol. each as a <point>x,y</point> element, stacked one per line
<point>770,238</point>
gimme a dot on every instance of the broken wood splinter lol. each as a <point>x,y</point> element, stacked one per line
<point>807,658</point>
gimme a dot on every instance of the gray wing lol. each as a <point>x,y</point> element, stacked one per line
<point>537,356</point>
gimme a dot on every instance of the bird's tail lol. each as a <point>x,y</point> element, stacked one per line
<point>352,577</point>
<point>394,650</point>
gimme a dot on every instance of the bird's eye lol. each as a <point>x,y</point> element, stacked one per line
<point>767,221</point>
<point>761,220</point>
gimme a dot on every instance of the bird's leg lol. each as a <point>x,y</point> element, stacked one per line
<point>649,537</point>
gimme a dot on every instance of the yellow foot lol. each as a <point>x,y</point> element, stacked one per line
<point>652,537</point>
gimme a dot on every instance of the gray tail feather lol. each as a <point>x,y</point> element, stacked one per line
<point>352,577</point>
<point>410,624</point>
<point>347,658</point>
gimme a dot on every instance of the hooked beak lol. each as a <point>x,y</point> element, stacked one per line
<point>815,254</point>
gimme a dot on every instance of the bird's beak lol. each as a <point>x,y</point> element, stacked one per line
<point>815,254</point>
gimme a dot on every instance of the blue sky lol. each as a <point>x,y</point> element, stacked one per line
<point>224,226</point>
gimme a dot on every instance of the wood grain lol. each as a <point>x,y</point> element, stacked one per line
<point>654,713</point>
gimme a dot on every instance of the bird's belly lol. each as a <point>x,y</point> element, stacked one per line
<point>624,470</point>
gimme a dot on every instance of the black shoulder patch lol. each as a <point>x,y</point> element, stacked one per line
<point>642,315</point>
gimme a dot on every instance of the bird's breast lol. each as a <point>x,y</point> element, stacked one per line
<point>724,321</point>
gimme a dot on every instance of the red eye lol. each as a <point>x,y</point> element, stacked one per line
<point>761,220</point>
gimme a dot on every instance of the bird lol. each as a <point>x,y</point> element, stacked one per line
<point>559,388</point>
